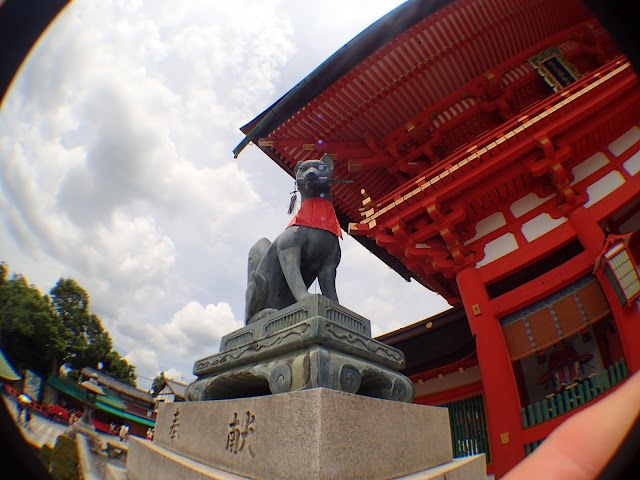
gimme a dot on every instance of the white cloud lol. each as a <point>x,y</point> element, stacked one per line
<point>145,360</point>
<point>117,171</point>
<point>197,328</point>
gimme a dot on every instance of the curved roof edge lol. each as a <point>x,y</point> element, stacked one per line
<point>7,372</point>
<point>369,40</point>
<point>23,22</point>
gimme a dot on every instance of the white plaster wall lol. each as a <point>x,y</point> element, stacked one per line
<point>625,141</point>
<point>632,165</point>
<point>538,226</point>
<point>589,166</point>
<point>603,187</point>
<point>488,225</point>
<point>498,248</point>
<point>448,382</point>
<point>527,203</point>
<point>544,223</point>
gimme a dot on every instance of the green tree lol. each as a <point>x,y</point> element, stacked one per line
<point>117,367</point>
<point>42,332</point>
<point>31,334</point>
<point>89,343</point>
<point>71,302</point>
<point>64,459</point>
<point>158,384</point>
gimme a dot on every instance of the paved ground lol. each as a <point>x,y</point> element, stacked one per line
<point>45,431</point>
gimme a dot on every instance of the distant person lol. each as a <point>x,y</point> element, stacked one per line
<point>123,432</point>
<point>20,407</point>
<point>27,418</point>
<point>72,416</point>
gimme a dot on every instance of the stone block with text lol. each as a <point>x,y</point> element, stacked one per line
<point>310,434</point>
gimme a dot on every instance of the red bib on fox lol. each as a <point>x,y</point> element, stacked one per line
<point>317,213</point>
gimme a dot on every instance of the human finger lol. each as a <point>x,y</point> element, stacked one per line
<point>583,444</point>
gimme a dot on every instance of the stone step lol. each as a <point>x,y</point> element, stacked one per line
<point>467,468</point>
<point>149,460</point>
<point>115,473</point>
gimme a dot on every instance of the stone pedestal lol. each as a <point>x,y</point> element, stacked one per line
<point>313,343</point>
<point>304,393</point>
<point>310,434</point>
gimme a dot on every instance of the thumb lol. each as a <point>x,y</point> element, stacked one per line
<point>582,445</point>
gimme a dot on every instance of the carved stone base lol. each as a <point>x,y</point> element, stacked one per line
<point>312,434</point>
<point>313,343</point>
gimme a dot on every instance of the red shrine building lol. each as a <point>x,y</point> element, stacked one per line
<point>494,149</point>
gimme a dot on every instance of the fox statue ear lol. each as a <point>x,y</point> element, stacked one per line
<point>328,161</point>
<point>295,169</point>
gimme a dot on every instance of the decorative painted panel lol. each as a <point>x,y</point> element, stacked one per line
<point>518,341</point>
<point>558,316</point>
<point>543,328</point>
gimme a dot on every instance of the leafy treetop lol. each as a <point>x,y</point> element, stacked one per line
<point>42,332</point>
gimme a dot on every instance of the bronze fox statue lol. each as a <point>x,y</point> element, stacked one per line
<point>281,272</point>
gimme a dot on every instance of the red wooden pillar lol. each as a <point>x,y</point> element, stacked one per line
<point>500,388</point>
<point>589,232</point>
<point>627,320</point>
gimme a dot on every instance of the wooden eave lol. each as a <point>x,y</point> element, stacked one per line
<point>419,329</point>
<point>405,100</point>
<point>434,342</point>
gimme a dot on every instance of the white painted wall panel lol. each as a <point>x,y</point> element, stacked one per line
<point>624,142</point>
<point>527,203</point>
<point>488,225</point>
<point>633,164</point>
<point>498,248</point>
<point>589,166</point>
<point>538,226</point>
<point>603,187</point>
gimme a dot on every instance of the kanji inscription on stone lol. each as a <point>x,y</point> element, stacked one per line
<point>239,432</point>
<point>175,423</point>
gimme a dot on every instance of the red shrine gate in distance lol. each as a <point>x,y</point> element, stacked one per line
<point>494,149</point>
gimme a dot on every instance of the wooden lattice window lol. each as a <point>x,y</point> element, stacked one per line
<point>620,268</point>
